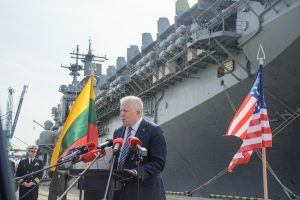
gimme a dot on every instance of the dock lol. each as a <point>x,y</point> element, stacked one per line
<point>73,195</point>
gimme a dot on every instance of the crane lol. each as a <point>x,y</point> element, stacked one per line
<point>10,125</point>
<point>9,108</point>
<point>18,111</point>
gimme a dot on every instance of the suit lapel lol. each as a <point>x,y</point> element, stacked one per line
<point>27,161</point>
<point>33,162</point>
<point>122,132</point>
<point>139,134</point>
<point>142,128</point>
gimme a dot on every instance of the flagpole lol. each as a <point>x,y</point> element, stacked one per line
<point>260,57</point>
<point>264,168</point>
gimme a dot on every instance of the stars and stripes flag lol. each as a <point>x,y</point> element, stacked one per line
<point>251,124</point>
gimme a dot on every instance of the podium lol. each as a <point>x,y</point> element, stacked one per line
<point>94,182</point>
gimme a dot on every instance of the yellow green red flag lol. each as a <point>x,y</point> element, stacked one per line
<point>80,127</point>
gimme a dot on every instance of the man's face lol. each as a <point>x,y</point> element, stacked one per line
<point>32,153</point>
<point>128,114</point>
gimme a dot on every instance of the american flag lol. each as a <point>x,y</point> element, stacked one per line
<point>251,124</point>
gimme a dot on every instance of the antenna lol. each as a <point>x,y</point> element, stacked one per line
<point>89,57</point>
<point>74,68</point>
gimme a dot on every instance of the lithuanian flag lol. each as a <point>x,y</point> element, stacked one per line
<point>80,127</point>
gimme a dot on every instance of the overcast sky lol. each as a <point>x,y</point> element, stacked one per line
<point>36,37</point>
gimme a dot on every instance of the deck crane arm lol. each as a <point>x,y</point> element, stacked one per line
<point>18,110</point>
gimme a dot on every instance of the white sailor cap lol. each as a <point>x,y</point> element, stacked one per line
<point>32,147</point>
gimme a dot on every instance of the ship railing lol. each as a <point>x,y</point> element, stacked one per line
<point>225,13</point>
<point>142,84</point>
<point>111,106</point>
<point>139,89</point>
<point>217,23</point>
<point>132,68</point>
<point>103,131</point>
<point>205,14</point>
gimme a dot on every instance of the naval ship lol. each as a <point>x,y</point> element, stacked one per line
<point>193,78</point>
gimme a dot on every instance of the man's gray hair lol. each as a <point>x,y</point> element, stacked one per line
<point>136,102</point>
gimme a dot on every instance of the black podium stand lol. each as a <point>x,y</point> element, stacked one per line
<point>94,182</point>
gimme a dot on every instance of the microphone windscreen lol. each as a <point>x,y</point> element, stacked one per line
<point>87,147</point>
<point>133,141</point>
<point>91,145</point>
<point>118,140</point>
<point>90,156</point>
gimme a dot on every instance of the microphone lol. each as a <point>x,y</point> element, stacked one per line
<point>135,144</point>
<point>73,153</point>
<point>107,143</point>
<point>118,142</point>
<point>87,157</point>
<point>90,156</point>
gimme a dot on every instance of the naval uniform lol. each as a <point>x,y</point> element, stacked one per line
<point>24,168</point>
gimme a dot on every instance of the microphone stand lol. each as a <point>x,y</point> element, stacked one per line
<point>138,158</point>
<point>79,176</point>
<point>38,171</point>
<point>109,177</point>
<point>80,190</point>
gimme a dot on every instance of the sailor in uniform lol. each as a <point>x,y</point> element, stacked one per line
<point>26,166</point>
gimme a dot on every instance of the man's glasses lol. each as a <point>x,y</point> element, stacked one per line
<point>32,151</point>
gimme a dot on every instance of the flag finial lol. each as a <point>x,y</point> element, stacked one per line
<point>260,55</point>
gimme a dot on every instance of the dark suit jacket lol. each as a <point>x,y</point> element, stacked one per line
<point>150,169</point>
<point>25,168</point>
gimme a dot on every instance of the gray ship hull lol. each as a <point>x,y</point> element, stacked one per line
<point>198,149</point>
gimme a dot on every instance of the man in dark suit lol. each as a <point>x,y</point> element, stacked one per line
<point>26,166</point>
<point>149,172</point>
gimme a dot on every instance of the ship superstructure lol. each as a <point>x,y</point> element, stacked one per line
<point>70,92</point>
<point>193,77</point>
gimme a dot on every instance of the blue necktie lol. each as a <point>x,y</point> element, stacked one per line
<point>125,150</point>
